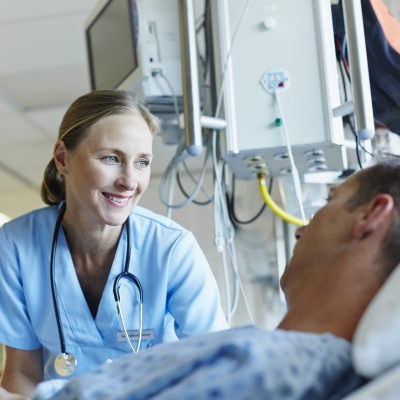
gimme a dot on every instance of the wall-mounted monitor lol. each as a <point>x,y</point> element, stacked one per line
<point>111,43</point>
<point>129,42</point>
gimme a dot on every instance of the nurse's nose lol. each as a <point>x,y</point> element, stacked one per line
<point>128,178</point>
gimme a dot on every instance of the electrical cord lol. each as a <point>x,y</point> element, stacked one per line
<point>179,157</point>
<point>175,100</point>
<point>171,171</point>
<point>343,80</point>
<point>358,144</point>
<point>231,205</point>
<point>220,243</point>
<point>225,238</point>
<point>358,152</point>
<point>199,27</point>
<point>194,180</point>
<point>204,203</point>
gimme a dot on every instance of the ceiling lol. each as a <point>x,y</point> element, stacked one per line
<point>43,68</point>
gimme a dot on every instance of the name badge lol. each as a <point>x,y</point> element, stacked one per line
<point>147,334</point>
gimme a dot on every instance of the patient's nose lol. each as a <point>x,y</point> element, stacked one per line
<point>299,232</point>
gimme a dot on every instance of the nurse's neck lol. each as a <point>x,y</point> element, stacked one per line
<point>88,238</point>
<point>92,250</point>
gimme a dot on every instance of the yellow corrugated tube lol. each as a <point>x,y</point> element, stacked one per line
<point>273,206</point>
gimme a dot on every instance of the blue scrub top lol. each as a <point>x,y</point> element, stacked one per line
<point>180,294</point>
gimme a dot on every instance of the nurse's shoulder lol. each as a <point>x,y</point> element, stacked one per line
<point>141,215</point>
<point>35,225</point>
<point>165,234</point>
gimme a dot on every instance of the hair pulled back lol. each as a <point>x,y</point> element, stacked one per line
<point>80,116</point>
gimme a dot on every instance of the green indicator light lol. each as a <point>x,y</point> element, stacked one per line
<point>278,121</point>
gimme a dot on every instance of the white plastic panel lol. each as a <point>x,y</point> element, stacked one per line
<point>293,39</point>
<point>159,46</point>
<point>294,45</point>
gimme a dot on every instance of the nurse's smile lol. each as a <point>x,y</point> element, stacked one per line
<point>117,200</point>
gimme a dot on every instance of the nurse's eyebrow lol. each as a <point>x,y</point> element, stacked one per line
<point>119,152</point>
<point>147,155</point>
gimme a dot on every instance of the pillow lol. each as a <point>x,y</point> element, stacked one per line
<point>376,344</point>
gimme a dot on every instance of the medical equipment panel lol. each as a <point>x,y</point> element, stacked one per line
<point>282,72</point>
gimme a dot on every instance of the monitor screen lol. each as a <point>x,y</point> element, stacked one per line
<point>111,42</point>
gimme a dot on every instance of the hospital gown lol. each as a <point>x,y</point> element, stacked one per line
<point>241,363</point>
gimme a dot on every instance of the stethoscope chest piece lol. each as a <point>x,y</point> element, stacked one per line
<point>65,364</point>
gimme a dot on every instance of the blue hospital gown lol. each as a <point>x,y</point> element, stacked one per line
<point>241,363</point>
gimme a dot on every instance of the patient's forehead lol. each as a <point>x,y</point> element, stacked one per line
<point>346,188</point>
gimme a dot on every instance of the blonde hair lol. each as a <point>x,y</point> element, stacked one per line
<point>80,116</point>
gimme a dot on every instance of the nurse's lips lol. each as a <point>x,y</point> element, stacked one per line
<point>117,198</point>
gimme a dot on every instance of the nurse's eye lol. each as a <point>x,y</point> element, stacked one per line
<point>143,163</point>
<point>111,159</point>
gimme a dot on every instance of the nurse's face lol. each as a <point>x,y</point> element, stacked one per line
<point>109,171</point>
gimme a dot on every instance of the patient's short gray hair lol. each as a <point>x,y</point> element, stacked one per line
<point>383,178</point>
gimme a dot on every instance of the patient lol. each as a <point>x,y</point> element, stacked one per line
<point>339,263</point>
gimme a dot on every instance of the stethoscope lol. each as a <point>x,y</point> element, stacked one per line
<point>65,363</point>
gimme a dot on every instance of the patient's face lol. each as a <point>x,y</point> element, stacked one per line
<point>321,242</point>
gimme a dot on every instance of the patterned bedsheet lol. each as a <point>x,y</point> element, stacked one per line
<point>240,363</point>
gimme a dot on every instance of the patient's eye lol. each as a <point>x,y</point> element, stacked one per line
<point>330,195</point>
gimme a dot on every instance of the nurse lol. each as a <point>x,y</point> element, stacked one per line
<point>100,169</point>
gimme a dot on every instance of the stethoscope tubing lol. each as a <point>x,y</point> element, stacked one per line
<point>53,279</point>
<point>116,286</point>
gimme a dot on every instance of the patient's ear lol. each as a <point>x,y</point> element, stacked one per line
<point>375,213</point>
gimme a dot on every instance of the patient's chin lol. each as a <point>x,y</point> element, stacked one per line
<point>284,279</point>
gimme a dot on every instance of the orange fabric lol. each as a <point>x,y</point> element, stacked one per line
<point>390,25</point>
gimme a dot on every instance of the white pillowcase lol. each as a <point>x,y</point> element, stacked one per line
<point>385,387</point>
<point>377,338</point>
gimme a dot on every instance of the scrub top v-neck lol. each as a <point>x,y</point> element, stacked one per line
<point>180,295</point>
